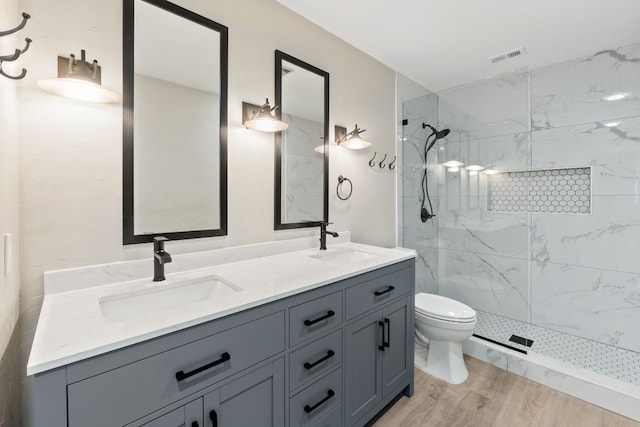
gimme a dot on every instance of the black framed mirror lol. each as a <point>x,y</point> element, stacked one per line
<point>175,70</point>
<point>301,151</point>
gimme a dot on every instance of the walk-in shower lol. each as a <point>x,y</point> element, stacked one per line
<point>537,229</point>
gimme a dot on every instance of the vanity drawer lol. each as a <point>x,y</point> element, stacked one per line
<point>312,404</point>
<point>127,393</point>
<point>377,291</point>
<point>315,317</point>
<point>314,359</point>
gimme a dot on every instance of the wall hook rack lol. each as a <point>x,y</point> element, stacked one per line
<point>18,52</point>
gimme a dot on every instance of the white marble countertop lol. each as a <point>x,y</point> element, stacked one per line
<point>72,326</point>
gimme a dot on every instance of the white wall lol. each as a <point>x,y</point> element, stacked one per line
<point>10,283</point>
<point>71,157</point>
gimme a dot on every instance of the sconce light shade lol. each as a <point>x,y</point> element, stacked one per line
<point>81,80</point>
<point>262,118</point>
<point>352,139</point>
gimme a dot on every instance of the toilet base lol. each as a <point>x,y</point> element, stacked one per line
<point>445,361</point>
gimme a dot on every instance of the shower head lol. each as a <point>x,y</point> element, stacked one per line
<point>438,133</point>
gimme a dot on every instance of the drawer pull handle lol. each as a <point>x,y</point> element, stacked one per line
<point>386,291</point>
<point>329,314</point>
<point>387,343</point>
<point>308,409</point>
<point>329,355</point>
<point>381,346</point>
<point>181,375</point>
<point>213,416</point>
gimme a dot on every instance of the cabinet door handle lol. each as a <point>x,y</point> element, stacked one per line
<point>329,314</point>
<point>329,355</point>
<point>381,346</point>
<point>387,343</point>
<point>308,409</point>
<point>181,375</point>
<point>386,291</point>
<point>213,416</point>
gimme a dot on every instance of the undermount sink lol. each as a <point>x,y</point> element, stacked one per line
<point>342,255</point>
<point>164,296</point>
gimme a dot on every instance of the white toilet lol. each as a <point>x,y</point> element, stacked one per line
<point>445,323</point>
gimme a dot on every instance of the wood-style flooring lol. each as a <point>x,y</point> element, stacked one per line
<point>494,397</point>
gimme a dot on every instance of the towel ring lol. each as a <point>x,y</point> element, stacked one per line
<point>342,179</point>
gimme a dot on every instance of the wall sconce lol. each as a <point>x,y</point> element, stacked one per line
<point>352,139</point>
<point>262,118</point>
<point>79,79</point>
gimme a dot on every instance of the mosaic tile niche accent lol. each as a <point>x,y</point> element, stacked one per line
<point>561,191</point>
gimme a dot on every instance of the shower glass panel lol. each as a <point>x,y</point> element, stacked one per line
<point>466,252</point>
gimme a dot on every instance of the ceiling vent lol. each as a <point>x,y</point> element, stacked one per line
<point>512,54</point>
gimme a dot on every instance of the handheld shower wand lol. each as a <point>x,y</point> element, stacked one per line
<point>426,214</point>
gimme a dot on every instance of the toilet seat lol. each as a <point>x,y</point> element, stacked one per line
<point>443,308</point>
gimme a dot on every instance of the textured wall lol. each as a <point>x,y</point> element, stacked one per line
<point>10,382</point>
<point>71,158</point>
<point>9,283</point>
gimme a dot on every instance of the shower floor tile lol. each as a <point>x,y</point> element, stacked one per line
<point>608,360</point>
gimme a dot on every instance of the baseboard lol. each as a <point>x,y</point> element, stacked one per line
<point>608,393</point>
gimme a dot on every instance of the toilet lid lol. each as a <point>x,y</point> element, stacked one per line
<point>445,308</point>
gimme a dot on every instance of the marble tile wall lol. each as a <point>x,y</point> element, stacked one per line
<point>585,278</point>
<point>483,255</point>
<point>575,274</point>
<point>303,177</point>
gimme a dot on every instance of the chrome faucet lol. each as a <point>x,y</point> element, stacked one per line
<point>323,235</point>
<point>160,258</point>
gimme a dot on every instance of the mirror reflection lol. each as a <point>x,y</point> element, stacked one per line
<point>302,94</point>
<point>175,131</point>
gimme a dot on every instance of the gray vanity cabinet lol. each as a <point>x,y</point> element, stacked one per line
<point>256,399</point>
<point>189,415</point>
<point>363,369</point>
<point>332,356</point>
<point>379,348</point>
<point>396,363</point>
